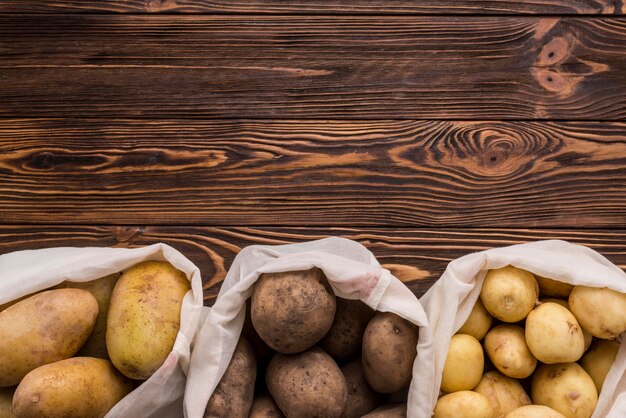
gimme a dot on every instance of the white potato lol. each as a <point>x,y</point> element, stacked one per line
<point>478,322</point>
<point>506,347</point>
<point>534,411</point>
<point>565,304</point>
<point>504,393</point>
<point>600,311</point>
<point>509,293</point>
<point>463,404</point>
<point>598,360</point>
<point>464,364</point>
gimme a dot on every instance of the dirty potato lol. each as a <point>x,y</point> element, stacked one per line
<point>507,349</point>
<point>509,293</point>
<point>388,411</point>
<point>6,399</point>
<point>233,395</point>
<point>504,393</point>
<point>265,407</point>
<point>344,339</point>
<point>292,311</point>
<point>389,350</point>
<point>464,364</point>
<point>44,328</point>
<point>361,397</point>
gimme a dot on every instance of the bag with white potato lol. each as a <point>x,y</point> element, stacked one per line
<point>63,290</point>
<point>532,309</point>
<point>294,314</point>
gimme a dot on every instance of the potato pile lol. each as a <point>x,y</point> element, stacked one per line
<point>306,353</point>
<point>77,349</point>
<point>539,336</point>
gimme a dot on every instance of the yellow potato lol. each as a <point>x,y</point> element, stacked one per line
<point>534,411</point>
<point>504,393</point>
<point>464,404</point>
<point>509,293</point>
<point>144,317</point>
<point>6,399</point>
<point>101,289</point>
<point>506,347</point>
<point>566,388</point>
<point>464,364</point>
<point>553,288</point>
<point>478,322</point>
<point>565,304</point>
<point>600,311</point>
<point>553,335</point>
<point>44,328</point>
<point>79,387</point>
<point>265,407</point>
<point>599,359</point>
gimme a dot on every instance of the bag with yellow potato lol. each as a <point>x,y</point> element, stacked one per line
<point>539,324</point>
<point>303,330</point>
<point>97,331</point>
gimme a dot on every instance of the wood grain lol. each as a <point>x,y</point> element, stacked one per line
<point>324,173</point>
<point>313,67</point>
<point>416,256</point>
<point>313,7</point>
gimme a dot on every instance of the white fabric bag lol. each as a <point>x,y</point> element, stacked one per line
<point>449,302</point>
<point>25,272</point>
<point>353,273</point>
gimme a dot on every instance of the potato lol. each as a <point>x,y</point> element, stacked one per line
<point>504,393</point>
<point>292,311</point>
<point>265,407</point>
<point>345,337</point>
<point>506,347</point>
<point>144,317</point>
<point>78,387</point>
<point>388,411</point>
<point>101,289</point>
<point>478,322</point>
<point>566,388</point>
<point>600,311</point>
<point>598,360</point>
<point>588,337</point>
<point>509,293</point>
<point>44,328</point>
<point>361,397</point>
<point>534,411</point>
<point>307,385</point>
<point>6,399</point>
<point>553,288</point>
<point>464,365</point>
<point>553,335</point>
<point>463,404</point>
<point>389,350</point>
<point>233,395</point>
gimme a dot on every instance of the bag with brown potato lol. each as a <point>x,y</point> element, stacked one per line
<point>333,335</point>
<point>531,311</point>
<point>97,331</point>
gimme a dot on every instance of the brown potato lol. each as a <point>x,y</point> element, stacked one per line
<point>389,350</point>
<point>44,328</point>
<point>506,347</point>
<point>6,399</point>
<point>509,293</point>
<point>388,411</point>
<point>504,393</point>
<point>233,395</point>
<point>553,288</point>
<point>77,387</point>
<point>344,339</point>
<point>307,385</point>
<point>264,407</point>
<point>292,311</point>
<point>478,322</point>
<point>361,397</point>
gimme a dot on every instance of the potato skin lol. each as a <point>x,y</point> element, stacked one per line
<point>534,411</point>
<point>292,311</point>
<point>553,288</point>
<point>509,293</point>
<point>265,407</point>
<point>566,388</point>
<point>361,397</point>
<point>464,364</point>
<point>463,404</point>
<point>344,338</point>
<point>144,317</point>
<point>388,411</point>
<point>506,347</point>
<point>233,395</point>
<point>504,393</point>
<point>307,385</point>
<point>478,322</point>
<point>6,399</point>
<point>600,311</point>
<point>44,328</point>
<point>389,350</point>
<point>77,387</point>
<point>598,360</point>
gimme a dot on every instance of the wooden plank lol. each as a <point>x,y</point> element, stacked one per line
<point>416,256</point>
<point>315,7</point>
<point>313,67</point>
<point>325,173</point>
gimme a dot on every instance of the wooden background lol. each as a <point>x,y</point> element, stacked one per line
<point>423,129</point>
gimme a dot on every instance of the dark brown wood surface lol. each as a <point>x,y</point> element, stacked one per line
<point>323,173</point>
<point>417,256</point>
<point>318,6</point>
<point>313,67</point>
